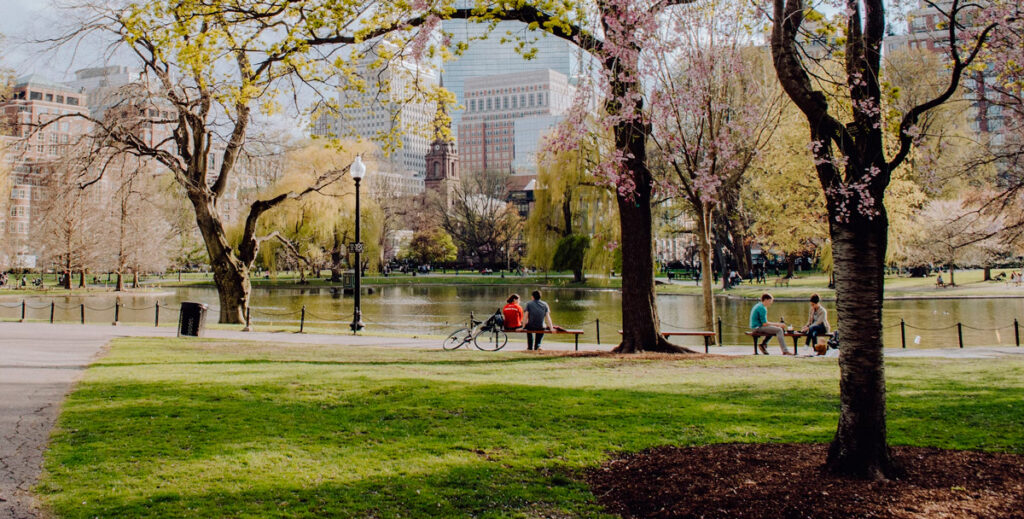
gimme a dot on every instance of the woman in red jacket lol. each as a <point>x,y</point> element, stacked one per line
<point>513,313</point>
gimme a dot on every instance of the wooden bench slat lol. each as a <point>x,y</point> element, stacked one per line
<point>573,332</point>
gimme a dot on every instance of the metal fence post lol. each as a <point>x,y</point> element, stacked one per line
<point>718,338</point>
<point>302,319</point>
<point>52,305</point>
<point>248,326</point>
<point>83,312</point>
<point>1016,332</point>
<point>598,323</point>
<point>960,333</point>
<point>903,333</point>
<point>22,310</point>
<point>156,317</point>
<point>117,311</point>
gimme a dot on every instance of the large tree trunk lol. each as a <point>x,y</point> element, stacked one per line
<point>577,275</point>
<point>230,275</point>
<point>640,324</point>
<point>704,240</point>
<point>120,282</point>
<point>81,278</point>
<point>952,267</point>
<point>859,448</point>
<point>988,273</point>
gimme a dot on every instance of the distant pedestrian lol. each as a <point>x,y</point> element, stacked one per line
<point>538,318</point>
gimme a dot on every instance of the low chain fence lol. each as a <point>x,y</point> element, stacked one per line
<point>959,334</point>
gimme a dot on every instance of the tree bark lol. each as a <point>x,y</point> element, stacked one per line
<point>120,282</point>
<point>135,278</point>
<point>988,273</point>
<point>81,278</point>
<point>952,267</point>
<point>859,448</point>
<point>704,240</point>
<point>230,275</point>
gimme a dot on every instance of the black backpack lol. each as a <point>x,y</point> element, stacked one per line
<point>496,321</point>
<point>833,342</point>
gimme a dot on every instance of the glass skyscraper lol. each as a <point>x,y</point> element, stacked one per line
<point>492,57</point>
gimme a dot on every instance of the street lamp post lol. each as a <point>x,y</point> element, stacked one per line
<point>357,170</point>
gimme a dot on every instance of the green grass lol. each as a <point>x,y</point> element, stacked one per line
<point>175,428</point>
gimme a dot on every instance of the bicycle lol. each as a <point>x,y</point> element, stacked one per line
<point>485,335</point>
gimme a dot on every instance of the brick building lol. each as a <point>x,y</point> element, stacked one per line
<point>496,108</point>
<point>31,153</point>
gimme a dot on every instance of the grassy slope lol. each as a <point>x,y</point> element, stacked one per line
<point>169,428</point>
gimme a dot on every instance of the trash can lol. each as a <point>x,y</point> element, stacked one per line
<point>192,319</point>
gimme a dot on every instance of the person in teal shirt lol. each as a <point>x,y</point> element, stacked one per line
<point>759,324</point>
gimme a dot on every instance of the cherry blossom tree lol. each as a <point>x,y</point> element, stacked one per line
<point>714,107</point>
<point>854,166</point>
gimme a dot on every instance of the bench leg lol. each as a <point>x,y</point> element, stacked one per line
<point>707,342</point>
<point>577,336</point>
<point>755,345</point>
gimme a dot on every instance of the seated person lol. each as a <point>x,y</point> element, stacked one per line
<point>939,282</point>
<point>538,319</point>
<point>759,324</point>
<point>817,322</point>
<point>513,313</point>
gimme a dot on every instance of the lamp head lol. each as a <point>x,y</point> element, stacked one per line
<point>358,169</point>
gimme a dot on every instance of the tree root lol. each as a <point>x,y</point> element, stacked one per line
<point>661,346</point>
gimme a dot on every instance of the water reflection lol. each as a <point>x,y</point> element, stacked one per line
<point>438,309</point>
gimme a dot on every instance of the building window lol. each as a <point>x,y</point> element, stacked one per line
<point>472,105</point>
<point>531,99</point>
<point>73,101</point>
<point>49,97</point>
<point>35,95</point>
<point>504,103</point>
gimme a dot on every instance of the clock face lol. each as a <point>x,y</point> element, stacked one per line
<point>436,147</point>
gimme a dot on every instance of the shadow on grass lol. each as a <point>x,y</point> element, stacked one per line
<point>365,441</point>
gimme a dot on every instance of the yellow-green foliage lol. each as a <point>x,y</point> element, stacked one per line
<point>314,223</point>
<point>564,176</point>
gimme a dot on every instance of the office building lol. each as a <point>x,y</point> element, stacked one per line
<point>496,106</point>
<point>31,153</point>
<point>374,115</point>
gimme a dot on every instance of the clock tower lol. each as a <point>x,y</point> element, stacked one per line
<point>442,156</point>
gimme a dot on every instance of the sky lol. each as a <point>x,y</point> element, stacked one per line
<point>25,20</point>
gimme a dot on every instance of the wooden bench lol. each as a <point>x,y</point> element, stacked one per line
<point>782,282</point>
<point>707,336</point>
<point>575,333</point>
<point>795,334</point>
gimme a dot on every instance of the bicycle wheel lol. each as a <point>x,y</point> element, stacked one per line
<point>493,340</point>
<point>456,339</point>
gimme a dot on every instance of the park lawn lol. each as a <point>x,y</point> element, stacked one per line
<point>201,428</point>
<point>969,284</point>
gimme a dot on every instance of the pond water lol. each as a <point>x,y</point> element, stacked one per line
<point>436,310</point>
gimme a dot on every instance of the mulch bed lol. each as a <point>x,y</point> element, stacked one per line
<point>786,481</point>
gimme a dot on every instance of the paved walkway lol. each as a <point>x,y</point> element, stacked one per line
<point>40,362</point>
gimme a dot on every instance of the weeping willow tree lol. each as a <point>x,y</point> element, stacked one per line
<point>571,220</point>
<point>313,231</point>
